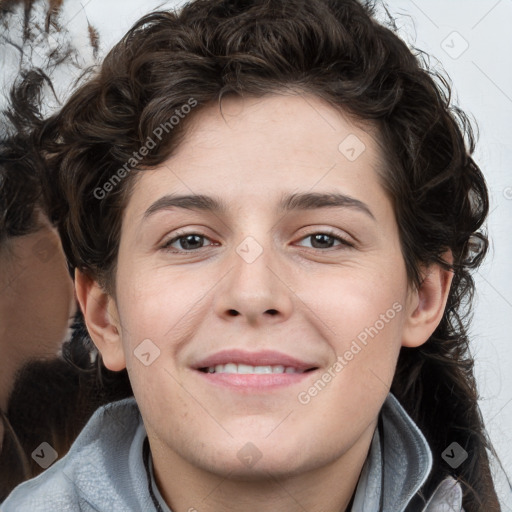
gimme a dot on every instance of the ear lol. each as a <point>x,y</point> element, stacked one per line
<point>426,304</point>
<point>102,320</point>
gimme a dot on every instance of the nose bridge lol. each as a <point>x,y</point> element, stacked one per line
<point>254,244</point>
<point>253,262</point>
<point>253,287</point>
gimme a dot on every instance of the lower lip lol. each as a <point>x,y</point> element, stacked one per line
<point>254,381</point>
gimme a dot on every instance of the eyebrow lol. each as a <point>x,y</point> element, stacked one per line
<point>289,202</point>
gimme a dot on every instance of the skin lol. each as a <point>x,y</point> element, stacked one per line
<point>309,301</point>
<point>37,301</point>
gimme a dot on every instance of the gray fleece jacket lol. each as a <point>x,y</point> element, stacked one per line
<point>109,469</point>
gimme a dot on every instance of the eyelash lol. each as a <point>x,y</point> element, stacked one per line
<point>184,234</point>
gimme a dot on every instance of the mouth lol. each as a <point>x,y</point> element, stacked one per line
<point>246,369</point>
<point>253,371</point>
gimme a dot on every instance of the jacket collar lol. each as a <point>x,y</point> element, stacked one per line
<point>398,464</point>
<point>395,471</point>
<point>108,464</point>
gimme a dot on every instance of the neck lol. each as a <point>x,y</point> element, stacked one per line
<point>327,488</point>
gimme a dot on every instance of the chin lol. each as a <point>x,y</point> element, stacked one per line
<point>245,460</point>
<point>252,472</point>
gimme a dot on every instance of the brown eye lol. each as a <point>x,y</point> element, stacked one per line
<point>186,242</point>
<point>326,240</point>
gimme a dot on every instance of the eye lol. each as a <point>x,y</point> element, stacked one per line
<point>325,239</point>
<point>191,241</point>
<point>187,242</point>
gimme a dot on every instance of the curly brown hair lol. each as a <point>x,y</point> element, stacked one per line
<point>336,50</point>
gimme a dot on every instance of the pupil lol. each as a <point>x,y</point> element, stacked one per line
<point>186,240</point>
<point>321,238</point>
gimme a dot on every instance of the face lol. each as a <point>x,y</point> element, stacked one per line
<point>301,271</point>
<point>36,301</point>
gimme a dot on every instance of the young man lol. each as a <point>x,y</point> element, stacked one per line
<point>234,190</point>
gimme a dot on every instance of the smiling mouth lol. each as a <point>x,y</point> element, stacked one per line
<point>246,369</point>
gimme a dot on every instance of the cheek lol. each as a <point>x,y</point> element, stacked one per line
<point>158,316</point>
<point>147,302</point>
<point>353,300</point>
<point>362,316</point>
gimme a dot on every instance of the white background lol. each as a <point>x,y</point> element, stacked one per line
<point>482,79</point>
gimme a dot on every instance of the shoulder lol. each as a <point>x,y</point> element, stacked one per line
<point>100,451</point>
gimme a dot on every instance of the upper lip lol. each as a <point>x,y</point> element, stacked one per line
<point>260,358</point>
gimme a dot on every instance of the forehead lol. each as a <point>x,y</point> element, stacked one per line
<point>252,150</point>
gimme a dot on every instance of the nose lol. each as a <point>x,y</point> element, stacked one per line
<point>256,289</point>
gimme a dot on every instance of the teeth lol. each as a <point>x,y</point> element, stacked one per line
<point>247,368</point>
<point>241,368</point>
<point>229,368</point>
